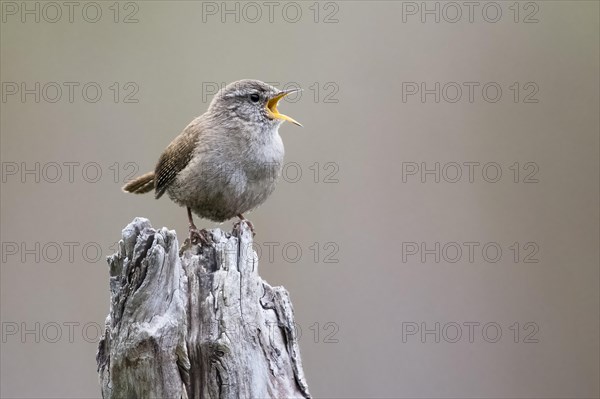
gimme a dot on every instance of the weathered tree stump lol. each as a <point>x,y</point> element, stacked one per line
<point>199,323</point>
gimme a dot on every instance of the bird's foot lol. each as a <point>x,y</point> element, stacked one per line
<point>199,236</point>
<point>237,227</point>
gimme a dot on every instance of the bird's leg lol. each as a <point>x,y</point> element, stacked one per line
<point>196,236</point>
<point>191,219</point>
<point>243,219</point>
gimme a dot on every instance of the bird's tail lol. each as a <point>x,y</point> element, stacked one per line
<point>141,184</point>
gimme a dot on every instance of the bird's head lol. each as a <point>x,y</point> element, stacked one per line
<point>252,101</point>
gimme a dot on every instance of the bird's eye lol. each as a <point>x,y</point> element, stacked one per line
<point>254,97</point>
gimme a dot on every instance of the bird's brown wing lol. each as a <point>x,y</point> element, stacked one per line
<point>175,157</point>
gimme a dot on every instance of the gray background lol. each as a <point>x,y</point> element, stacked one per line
<point>171,55</point>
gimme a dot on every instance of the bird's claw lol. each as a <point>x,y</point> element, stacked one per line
<point>199,236</point>
<point>237,227</point>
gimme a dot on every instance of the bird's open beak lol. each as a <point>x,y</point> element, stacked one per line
<point>272,107</point>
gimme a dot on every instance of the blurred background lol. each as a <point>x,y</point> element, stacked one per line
<point>437,225</point>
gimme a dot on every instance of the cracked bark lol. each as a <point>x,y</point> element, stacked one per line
<point>196,323</point>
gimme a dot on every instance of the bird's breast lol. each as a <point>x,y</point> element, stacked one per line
<point>265,158</point>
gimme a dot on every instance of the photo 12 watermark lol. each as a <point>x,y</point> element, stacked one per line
<point>90,252</point>
<point>469,252</point>
<point>70,92</point>
<point>121,172</point>
<point>51,332</point>
<point>68,172</point>
<point>471,12</point>
<point>316,333</point>
<point>318,92</point>
<point>435,92</point>
<point>252,12</point>
<point>53,12</point>
<point>470,332</point>
<point>469,172</point>
<point>274,252</point>
<point>90,332</point>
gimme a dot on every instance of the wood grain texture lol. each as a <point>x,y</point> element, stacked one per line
<point>197,322</point>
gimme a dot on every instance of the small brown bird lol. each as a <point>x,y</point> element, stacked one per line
<point>225,162</point>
